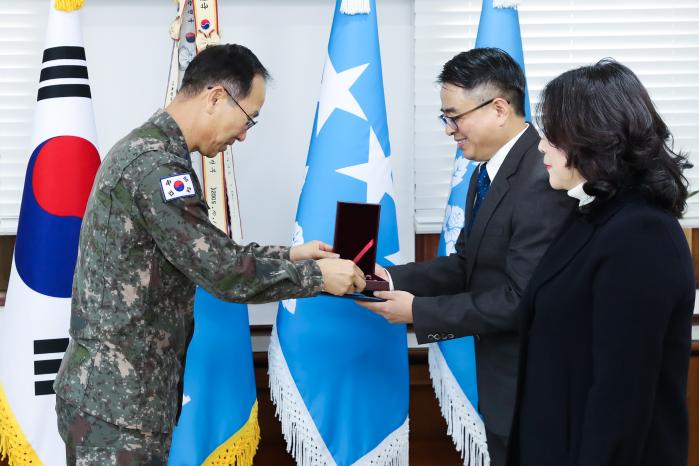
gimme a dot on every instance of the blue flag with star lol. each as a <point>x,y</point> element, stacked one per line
<point>453,362</point>
<point>338,372</point>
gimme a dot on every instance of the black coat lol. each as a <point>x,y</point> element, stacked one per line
<point>476,291</point>
<point>605,343</point>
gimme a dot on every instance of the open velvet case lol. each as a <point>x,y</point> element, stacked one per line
<point>357,239</point>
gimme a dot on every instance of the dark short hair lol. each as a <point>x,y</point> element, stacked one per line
<point>231,65</point>
<point>602,117</point>
<point>487,66</point>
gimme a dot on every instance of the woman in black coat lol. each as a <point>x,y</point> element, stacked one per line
<point>606,320</point>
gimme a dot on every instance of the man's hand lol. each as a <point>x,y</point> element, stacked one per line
<point>397,309</point>
<point>341,276</point>
<point>380,272</point>
<point>312,250</point>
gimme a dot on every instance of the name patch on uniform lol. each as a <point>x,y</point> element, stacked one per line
<point>177,186</point>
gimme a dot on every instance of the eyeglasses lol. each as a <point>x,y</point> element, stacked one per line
<point>451,121</point>
<point>248,124</point>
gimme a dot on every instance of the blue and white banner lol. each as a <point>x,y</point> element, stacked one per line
<point>218,424</point>
<point>62,163</point>
<point>499,27</point>
<point>338,372</point>
<point>452,362</point>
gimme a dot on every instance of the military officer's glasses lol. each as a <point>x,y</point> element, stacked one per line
<point>248,124</point>
<point>450,121</point>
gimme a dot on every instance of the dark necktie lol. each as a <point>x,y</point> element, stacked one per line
<point>482,187</point>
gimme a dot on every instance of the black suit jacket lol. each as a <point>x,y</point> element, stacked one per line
<point>606,332</point>
<point>476,291</point>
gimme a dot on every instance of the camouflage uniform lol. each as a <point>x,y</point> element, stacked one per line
<point>92,441</point>
<point>139,260</point>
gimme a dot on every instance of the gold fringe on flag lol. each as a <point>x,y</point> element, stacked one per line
<point>240,448</point>
<point>69,5</point>
<point>13,444</point>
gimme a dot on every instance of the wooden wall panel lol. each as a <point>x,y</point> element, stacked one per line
<point>7,247</point>
<point>694,244</point>
<point>693,405</point>
<point>426,247</point>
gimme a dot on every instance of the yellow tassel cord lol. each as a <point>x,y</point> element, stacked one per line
<point>240,449</point>
<point>13,443</point>
<point>69,5</point>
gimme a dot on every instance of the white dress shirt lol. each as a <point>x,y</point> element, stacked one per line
<point>579,194</point>
<point>498,158</point>
<point>493,167</point>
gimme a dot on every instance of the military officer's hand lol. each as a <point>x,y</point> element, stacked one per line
<point>397,309</point>
<point>341,276</point>
<point>380,272</point>
<point>312,250</point>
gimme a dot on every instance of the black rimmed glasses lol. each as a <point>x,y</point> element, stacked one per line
<point>450,121</point>
<point>248,124</point>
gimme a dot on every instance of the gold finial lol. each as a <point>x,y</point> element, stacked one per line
<point>69,5</point>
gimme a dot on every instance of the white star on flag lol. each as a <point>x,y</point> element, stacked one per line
<point>394,258</point>
<point>335,92</point>
<point>289,305</point>
<point>376,173</point>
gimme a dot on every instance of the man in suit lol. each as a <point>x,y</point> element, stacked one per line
<point>512,215</point>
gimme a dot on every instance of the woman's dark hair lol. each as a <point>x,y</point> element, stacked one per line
<point>602,117</point>
<point>487,66</point>
<point>231,65</point>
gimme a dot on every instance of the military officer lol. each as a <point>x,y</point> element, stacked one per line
<point>145,243</point>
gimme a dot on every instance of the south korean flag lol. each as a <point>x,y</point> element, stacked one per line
<point>61,162</point>
<point>177,186</point>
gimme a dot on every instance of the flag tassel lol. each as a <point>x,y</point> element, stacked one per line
<point>393,451</point>
<point>13,444</point>
<point>302,437</point>
<point>69,5</point>
<point>506,4</point>
<point>241,447</point>
<point>463,423</point>
<point>303,441</point>
<point>355,7</point>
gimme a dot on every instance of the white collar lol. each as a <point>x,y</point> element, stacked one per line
<point>579,193</point>
<point>496,160</point>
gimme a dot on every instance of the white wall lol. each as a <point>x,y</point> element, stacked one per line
<point>128,51</point>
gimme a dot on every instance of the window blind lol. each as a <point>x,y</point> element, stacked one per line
<point>22,33</point>
<point>658,40</point>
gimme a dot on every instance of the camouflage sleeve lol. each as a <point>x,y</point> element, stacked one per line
<point>273,252</point>
<point>179,224</point>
